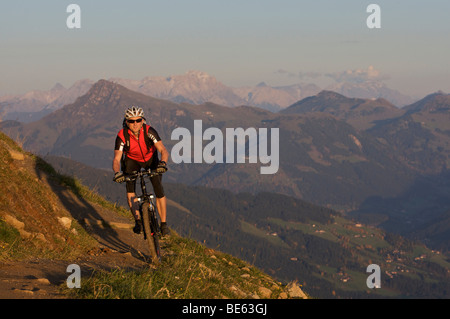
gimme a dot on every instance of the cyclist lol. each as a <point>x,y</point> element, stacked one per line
<point>140,152</point>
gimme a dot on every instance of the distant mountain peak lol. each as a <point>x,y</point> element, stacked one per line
<point>58,87</point>
<point>330,94</point>
<point>358,112</point>
<point>432,102</point>
<point>102,92</point>
<point>105,85</point>
<point>199,74</point>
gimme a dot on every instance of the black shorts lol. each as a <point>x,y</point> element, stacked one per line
<point>132,166</point>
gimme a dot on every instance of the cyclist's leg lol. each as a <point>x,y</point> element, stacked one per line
<point>161,205</point>
<point>161,202</point>
<point>157,187</point>
<point>131,166</point>
<point>133,204</point>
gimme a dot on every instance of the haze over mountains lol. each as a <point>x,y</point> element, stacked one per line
<point>194,87</point>
<point>34,105</point>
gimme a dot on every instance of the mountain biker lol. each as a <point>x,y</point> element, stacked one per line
<point>140,152</point>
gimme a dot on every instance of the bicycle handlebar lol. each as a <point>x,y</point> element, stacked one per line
<point>142,173</point>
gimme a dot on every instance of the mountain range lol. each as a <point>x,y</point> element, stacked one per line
<point>344,153</point>
<point>33,105</point>
<point>315,148</point>
<point>194,87</point>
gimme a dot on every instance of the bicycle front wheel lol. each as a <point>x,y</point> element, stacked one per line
<point>150,232</point>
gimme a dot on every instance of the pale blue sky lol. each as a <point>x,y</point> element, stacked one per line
<point>239,42</point>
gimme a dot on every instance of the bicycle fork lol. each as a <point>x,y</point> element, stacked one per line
<point>151,216</point>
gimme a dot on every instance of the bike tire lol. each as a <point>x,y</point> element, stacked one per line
<point>155,230</point>
<point>151,234</point>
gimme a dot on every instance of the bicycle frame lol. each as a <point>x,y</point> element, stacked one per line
<point>148,214</point>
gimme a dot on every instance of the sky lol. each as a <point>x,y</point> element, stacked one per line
<point>239,42</point>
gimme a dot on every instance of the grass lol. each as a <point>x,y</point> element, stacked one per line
<point>27,198</point>
<point>10,240</point>
<point>255,231</point>
<point>188,270</point>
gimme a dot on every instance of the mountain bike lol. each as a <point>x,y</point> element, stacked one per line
<point>148,211</point>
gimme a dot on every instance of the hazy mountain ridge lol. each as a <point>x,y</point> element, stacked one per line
<point>360,113</point>
<point>194,87</point>
<point>33,105</point>
<point>422,134</point>
<point>371,90</point>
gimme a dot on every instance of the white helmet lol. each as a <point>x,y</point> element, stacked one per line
<point>134,111</point>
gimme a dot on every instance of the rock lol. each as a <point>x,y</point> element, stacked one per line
<point>264,292</point>
<point>238,292</point>
<point>65,222</point>
<point>43,281</point>
<point>17,224</point>
<point>294,291</point>
<point>26,291</point>
<point>283,295</point>
<point>16,155</point>
<point>40,236</point>
<point>11,220</point>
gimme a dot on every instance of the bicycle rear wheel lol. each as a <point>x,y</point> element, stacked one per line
<point>150,232</point>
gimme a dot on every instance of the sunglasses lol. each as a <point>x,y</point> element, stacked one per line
<point>133,121</point>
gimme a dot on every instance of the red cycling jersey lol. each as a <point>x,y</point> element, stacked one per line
<point>138,148</point>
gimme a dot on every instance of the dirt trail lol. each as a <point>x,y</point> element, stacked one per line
<point>118,247</point>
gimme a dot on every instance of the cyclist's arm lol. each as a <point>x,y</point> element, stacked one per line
<point>116,161</point>
<point>154,137</point>
<point>118,151</point>
<point>162,149</point>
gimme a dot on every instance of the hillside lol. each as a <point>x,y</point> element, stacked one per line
<point>49,221</point>
<point>291,239</point>
<point>422,135</point>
